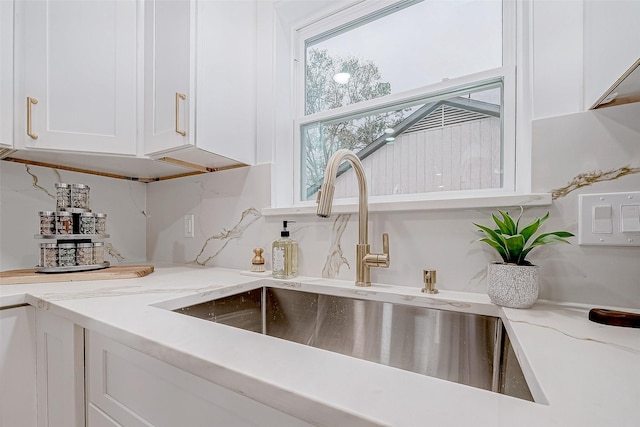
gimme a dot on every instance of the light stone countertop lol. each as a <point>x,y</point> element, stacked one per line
<point>579,372</point>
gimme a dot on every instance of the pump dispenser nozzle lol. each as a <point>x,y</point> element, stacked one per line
<point>285,232</point>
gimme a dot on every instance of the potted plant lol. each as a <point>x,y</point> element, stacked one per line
<point>514,282</point>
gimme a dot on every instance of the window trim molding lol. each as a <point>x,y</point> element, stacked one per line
<point>490,200</point>
<point>516,50</point>
<point>437,91</point>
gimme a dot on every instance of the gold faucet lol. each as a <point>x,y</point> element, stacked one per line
<point>364,259</point>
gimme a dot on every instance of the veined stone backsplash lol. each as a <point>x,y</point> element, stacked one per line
<point>229,226</point>
<point>575,154</point>
<point>26,190</point>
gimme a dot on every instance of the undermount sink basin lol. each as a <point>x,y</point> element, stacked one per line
<point>466,348</point>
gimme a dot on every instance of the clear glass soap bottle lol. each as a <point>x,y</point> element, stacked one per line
<point>284,255</point>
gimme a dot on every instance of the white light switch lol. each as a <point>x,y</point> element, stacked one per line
<point>630,218</point>
<point>602,222</point>
<point>609,219</point>
<point>189,227</point>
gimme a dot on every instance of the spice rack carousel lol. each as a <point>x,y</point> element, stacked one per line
<point>73,231</point>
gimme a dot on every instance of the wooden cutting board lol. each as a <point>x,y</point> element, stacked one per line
<point>614,318</point>
<point>14,277</point>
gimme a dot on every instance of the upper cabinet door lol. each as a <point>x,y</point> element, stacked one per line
<point>80,75</point>
<point>6,73</point>
<point>168,56</point>
<point>200,81</point>
<point>226,78</point>
<point>611,45</point>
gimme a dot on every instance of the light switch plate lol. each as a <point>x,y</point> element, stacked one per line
<point>630,218</point>
<point>593,224</point>
<point>189,225</point>
<point>602,222</point>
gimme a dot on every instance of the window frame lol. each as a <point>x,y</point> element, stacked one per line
<point>516,140</point>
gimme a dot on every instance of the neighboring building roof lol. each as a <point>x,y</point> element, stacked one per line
<point>425,117</point>
<point>430,116</point>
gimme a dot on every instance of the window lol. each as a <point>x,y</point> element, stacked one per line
<point>448,144</point>
<point>403,47</point>
<point>422,91</point>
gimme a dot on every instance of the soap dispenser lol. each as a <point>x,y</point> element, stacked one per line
<point>284,255</point>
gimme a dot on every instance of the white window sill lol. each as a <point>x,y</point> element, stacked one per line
<point>450,203</point>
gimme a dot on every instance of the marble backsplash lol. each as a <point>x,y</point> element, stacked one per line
<point>572,155</point>
<point>581,153</point>
<point>229,225</point>
<point>26,190</point>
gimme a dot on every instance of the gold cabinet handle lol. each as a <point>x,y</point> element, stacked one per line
<point>30,101</point>
<point>179,96</point>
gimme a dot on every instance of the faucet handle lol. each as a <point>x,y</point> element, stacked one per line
<point>385,245</point>
<point>429,277</point>
<point>379,260</point>
<point>382,260</point>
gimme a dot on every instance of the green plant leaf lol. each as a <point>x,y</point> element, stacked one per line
<point>497,246</point>
<point>547,238</point>
<point>494,237</point>
<point>553,237</point>
<point>511,226</point>
<point>515,244</point>
<point>492,234</point>
<point>530,230</point>
<point>544,218</point>
<point>518,220</point>
<point>502,227</point>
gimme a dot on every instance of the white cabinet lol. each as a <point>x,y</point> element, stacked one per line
<point>97,418</point>
<point>200,81</point>
<point>60,371</point>
<point>126,387</point>
<point>78,86</point>
<point>18,366</point>
<point>6,73</point>
<point>167,74</point>
<point>611,44</point>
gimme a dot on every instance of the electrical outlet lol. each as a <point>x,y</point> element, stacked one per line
<point>189,225</point>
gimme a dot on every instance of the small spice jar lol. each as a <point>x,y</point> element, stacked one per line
<point>64,223</point>
<point>79,196</point>
<point>101,223</point>
<point>84,254</point>
<point>98,252</point>
<point>66,254</point>
<point>63,195</point>
<point>47,223</point>
<point>87,223</point>
<point>48,255</point>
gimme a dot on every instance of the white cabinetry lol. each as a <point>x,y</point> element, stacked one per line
<point>79,76</point>
<point>6,73</point>
<point>611,44</point>
<point>200,81</point>
<point>126,387</point>
<point>18,366</point>
<point>167,74</point>
<point>60,371</point>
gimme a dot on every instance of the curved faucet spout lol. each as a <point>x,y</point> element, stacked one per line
<point>325,195</point>
<point>364,260</point>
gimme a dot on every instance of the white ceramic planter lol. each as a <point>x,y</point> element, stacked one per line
<point>511,285</point>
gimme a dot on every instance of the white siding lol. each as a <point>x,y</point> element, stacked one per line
<point>459,157</point>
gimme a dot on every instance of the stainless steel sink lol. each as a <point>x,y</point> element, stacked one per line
<point>466,348</point>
